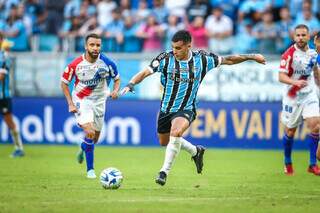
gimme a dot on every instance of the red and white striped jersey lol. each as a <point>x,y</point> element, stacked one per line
<point>298,64</point>
<point>91,79</point>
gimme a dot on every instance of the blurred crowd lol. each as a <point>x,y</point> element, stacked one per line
<point>222,26</point>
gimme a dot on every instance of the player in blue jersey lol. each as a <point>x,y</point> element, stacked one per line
<point>182,71</point>
<point>317,76</point>
<point>93,72</point>
<point>5,101</point>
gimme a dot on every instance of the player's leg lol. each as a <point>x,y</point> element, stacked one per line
<point>313,124</point>
<point>287,141</point>
<point>87,146</point>
<point>85,118</point>
<point>18,152</point>
<point>311,115</point>
<point>178,126</point>
<point>291,117</point>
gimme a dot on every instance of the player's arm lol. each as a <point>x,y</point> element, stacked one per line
<point>3,73</point>
<point>66,92</point>
<point>116,88</point>
<point>284,78</point>
<point>2,76</point>
<point>136,79</point>
<point>316,70</point>
<point>236,59</point>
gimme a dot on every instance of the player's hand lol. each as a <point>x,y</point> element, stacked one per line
<point>128,88</point>
<point>300,83</point>
<point>124,91</point>
<point>259,58</point>
<point>114,95</point>
<point>73,108</point>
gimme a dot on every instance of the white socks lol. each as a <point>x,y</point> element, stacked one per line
<point>172,150</point>
<point>187,146</point>
<point>16,139</point>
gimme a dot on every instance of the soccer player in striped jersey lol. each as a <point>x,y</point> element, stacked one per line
<point>5,101</point>
<point>300,101</point>
<point>93,72</point>
<point>182,71</point>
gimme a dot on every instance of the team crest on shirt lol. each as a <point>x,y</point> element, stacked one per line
<point>102,72</point>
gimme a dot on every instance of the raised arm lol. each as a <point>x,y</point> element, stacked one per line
<point>136,79</point>
<point>236,59</point>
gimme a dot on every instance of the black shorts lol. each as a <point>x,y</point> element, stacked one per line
<point>5,106</point>
<point>164,119</point>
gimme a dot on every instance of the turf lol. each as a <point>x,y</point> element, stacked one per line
<point>48,179</point>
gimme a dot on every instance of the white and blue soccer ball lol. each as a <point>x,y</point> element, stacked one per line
<point>111,178</point>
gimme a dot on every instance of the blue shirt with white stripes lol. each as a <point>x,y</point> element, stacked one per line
<point>5,69</point>
<point>181,79</point>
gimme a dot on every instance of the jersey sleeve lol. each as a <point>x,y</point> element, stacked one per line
<point>210,60</point>
<point>157,63</point>
<point>113,70</point>
<point>285,63</point>
<point>68,74</point>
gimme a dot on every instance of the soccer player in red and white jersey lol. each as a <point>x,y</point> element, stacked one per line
<point>300,102</point>
<point>93,72</point>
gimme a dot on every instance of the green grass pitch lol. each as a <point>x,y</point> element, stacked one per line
<point>48,179</point>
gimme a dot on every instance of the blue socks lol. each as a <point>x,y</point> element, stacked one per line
<point>287,145</point>
<point>313,139</point>
<point>88,147</point>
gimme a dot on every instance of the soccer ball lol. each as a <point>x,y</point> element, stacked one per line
<point>111,178</point>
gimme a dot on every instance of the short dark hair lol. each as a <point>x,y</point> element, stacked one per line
<point>182,35</point>
<point>302,26</point>
<point>92,35</point>
<point>318,35</point>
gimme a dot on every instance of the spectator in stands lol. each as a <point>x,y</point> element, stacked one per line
<point>54,17</point>
<point>113,32</point>
<point>89,27</point>
<point>15,30</point>
<point>38,15</point>
<point>104,10</point>
<point>266,33</point>
<point>143,12</point>
<point>72,8</point>
<point>253,9</point>
<point>198,33</point>
<point>308,18</point>
<point>152,34</point>
<point>229,7</point>
<point>131,41</point>
<point>276,7</point>
<point>284,26</point>
<point>170,28</point>
<point>220,29</point>
<point>244,41</point>
<point>198,8</point>
<point>26,18</point>
<point>125,8</point>
<point>159,11</point>
<point>177,7</point>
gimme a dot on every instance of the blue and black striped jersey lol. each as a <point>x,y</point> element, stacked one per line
<point>5,69</point>
<point>181,79</point>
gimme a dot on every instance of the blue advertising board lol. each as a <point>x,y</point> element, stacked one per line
<point>133,123</point>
